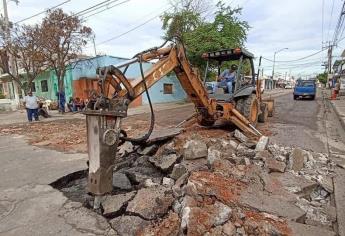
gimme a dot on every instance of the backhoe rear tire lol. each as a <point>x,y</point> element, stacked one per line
<point>249,108</point>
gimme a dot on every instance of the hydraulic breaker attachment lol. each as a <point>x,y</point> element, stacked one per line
<point>103,120</point>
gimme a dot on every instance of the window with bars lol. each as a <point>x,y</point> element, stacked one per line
<point>167,88</point>
<point>44,86</point>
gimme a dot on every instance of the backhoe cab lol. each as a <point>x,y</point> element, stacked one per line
<point>244,94</point>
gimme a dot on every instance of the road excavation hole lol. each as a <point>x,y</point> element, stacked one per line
<point>73,186</point>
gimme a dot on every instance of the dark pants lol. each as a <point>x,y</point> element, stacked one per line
<point>32,112</point>
<point>62,106</point>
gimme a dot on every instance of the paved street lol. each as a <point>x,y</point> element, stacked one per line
<point>27,171</point>
<point>308,124</point>
<point>313,125</point>
<point>28,205</point>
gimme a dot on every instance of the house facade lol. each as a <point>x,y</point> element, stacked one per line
<point>80,79</point>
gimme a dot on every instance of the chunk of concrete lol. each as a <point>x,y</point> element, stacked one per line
<point>297,159</point>
<point>149,150</point>
<point>263,155</point>
<point>243,150</point>
<point>303,187</point>
<point>120,181</point>
<point>151,203</point>
<point>168,182</point>
<point>262,144</point>
<point>233,144</point>
<point>178,171</point>
<point>272,204</point>
<point>195,149</point>
<point>163,134</point>
<point>213,155</point>
<point>326,182</point>
<point>229,229</point>
<point>148,183</point>
<point>165,162</point>
<point>308,230</point>
<point>126,148</point>
<point>240,136</point>
<point>275,166</point>
<point>113,205</point>
<point>138,174</point>
<point>211,215</point>
<point>129,225</point>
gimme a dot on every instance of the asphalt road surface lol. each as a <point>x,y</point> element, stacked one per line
<point>309,124</point>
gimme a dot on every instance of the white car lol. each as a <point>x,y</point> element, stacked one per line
<point>288,86</point>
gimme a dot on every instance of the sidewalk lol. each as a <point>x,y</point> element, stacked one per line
<point>7,118</point>
<point>339,107</point>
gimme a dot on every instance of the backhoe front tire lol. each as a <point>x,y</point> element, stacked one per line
<point>205,122</point>
<point>262,118</point>
<point>249,108</point>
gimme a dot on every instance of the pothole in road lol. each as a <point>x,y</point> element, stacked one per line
<point>73,186</point>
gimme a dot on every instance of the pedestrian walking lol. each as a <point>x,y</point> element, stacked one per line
<point>31,105</point>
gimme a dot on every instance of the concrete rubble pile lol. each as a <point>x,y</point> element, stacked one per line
<point>221,186</point>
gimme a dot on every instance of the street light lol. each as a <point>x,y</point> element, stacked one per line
<point>274,59</point>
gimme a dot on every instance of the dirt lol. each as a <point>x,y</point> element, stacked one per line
<point>70,135</point>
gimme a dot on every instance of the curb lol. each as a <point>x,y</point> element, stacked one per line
<point>276,95</point>
<point>342,122</point>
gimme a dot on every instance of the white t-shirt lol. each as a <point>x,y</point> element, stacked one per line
<point>31,102</point>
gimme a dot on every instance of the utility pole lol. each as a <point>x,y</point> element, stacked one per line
<point>94,44</point>
<point>330,52</point>
<point>274,61</point>
<point>11,63</point>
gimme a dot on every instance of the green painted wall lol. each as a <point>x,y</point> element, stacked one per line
<point>51,78</point>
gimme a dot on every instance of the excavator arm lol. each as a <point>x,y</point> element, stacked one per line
<point>105,112</point>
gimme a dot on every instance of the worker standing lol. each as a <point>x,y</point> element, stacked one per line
<point>31,105</point>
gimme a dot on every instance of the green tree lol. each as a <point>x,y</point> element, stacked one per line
<point>322,78</point>
<point>226,30</point>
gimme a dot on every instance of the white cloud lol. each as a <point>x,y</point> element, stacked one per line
<point>275,24</point>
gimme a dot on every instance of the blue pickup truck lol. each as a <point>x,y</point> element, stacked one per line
<point>305,88</point>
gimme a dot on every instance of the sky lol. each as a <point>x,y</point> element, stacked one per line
<point>275,24</point>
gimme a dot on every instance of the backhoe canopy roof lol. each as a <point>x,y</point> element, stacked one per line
<point>228,55</point>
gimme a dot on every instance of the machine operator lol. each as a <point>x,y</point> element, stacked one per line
<point>226,79</point>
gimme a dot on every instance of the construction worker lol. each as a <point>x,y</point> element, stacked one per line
<point>227,79</point>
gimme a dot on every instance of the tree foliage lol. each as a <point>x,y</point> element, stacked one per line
<point>26,54</point>
<point>63,37</point>
<point>200,35</point>
<point>54,44</point>
<point>322,78</point>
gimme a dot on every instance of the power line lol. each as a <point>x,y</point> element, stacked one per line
<point>330,21</point>
<point>93,6</point>
<point>42,12</point>
<point>339,26</point>
<point>134,28</point>
<point>299,59</point>
<point>323,19</point>
<point>108,8</point>
<point>296,65</point>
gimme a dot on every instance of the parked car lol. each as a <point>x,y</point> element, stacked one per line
<point>305,88</point>
<point>288,86</point>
